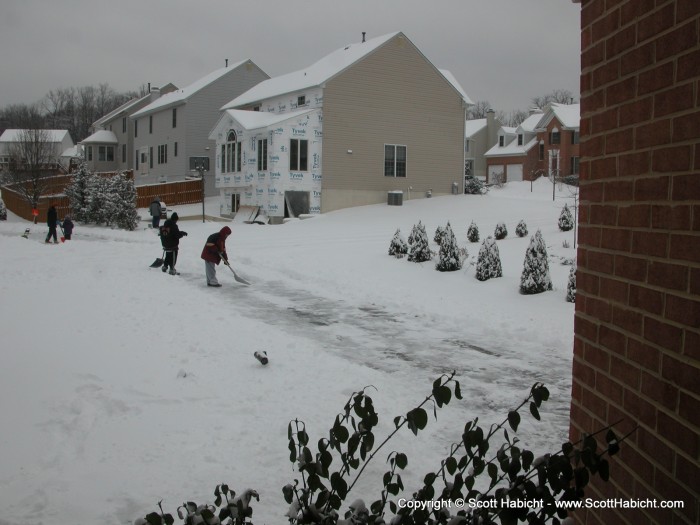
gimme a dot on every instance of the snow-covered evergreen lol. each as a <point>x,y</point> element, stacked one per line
<point>77,193</point>
<point>418,248</point>
<point>473,233</point>
<point>450,258</point>
<point>3,211</point>
<point>566,220</point>
<point>97,196</point>
<point>571,286</point>
<point>488,264</point>
<point>521,229</point>
<point>121,203</point>
<point>535,277</point>
<point>439,233</point>
<point>501,231</point>
<point>398,247</point>
<point>474,186</point>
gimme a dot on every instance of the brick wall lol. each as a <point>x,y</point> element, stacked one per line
<point>637,326</point>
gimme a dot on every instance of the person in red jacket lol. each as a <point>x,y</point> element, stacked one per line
<point>214,251</point>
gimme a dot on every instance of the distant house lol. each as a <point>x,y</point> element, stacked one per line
<point>176,126</point>
<point>545,143</point>
<point>110,147</point>
<point>479,136</point>
<point>61,145</point>
<point>369,118</point>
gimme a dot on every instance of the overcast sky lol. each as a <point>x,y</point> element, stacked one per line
<point>503,51</point>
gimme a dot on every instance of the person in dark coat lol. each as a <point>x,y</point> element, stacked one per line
<point>170,236</point>
<point>52,222</point>
<point>155,210</point>
<point>214,251</point>
<point>67,227</point>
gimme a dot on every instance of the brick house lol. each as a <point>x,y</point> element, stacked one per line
<point>637,323</point>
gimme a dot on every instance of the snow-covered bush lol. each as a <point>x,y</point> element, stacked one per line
<point>3,211</point>
<point>501,232</point>
<point>571,286</point>
<point>97,194</point>
<point>535,277</point>
<point>566,220</point>
<point>474,186</point>
<point>521,229</point>
<point>488,264</point>
<point>77,193</point>
<point>473,233</point>
<point>418,248</point>
<point>121,203</point>
<point>450,256</point>
<point>439,232</point>
<point>398,247</point>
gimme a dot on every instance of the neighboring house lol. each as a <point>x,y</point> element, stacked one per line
<point>636,351</point>
<point>176,126</point>
<point>545,143</point>
<point>111,145</point>
<point>62,147</point>
<point>369,118</point>
<point>479,136</point>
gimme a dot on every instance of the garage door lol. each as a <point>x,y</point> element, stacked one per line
<point>515,172</point>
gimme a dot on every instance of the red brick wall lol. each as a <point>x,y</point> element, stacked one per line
<point>637,336</point>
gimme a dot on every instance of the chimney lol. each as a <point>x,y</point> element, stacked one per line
<point>363,35</point>
<point>226,62</point>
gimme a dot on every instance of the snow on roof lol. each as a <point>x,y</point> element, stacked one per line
<point>15,135</point>
<point>109,116</point>
<point>473,126</point>
<point>71,152</point>
<point>511,149</point>
<point>257,119</point>
<point>529,125</point>
<point>452,80</point>
<point>181,95</point>
<point>102,136</point>
<point>568,114</point>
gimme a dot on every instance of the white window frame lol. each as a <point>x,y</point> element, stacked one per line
<point>391,166</point>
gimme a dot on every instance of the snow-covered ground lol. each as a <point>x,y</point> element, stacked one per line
<point>121,386</point>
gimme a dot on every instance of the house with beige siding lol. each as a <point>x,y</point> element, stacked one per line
<point>369,118</point>
<point>174,128</point>
<point>110,147</point>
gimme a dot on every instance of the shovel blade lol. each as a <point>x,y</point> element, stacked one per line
<point>157,263</point>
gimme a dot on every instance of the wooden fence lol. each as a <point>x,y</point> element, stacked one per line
<point>171,193</point>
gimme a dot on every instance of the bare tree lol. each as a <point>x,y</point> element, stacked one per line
<point>478,110</point>
<point>33,162</point>
<point>560,96</point>
<point>512,118</point>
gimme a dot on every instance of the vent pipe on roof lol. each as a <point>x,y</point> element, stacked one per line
<point>226,62</point>
<point>149,87</point>
<point>363,35</point>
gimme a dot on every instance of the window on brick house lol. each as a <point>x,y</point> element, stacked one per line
<point>555,137</point>
<point>574,165</point>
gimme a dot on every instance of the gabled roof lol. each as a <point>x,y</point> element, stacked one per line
<point>473,126</point>
<point>569,115</point>
<point>529,125</point>
<point>124,107</point>
<point>251,120</point>
<point>101,137</point>
<point>180,96</point>
<point>15,135</point>
<point>321,72</point>
<point>511,149</point>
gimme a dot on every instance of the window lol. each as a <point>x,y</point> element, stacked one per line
<point>394,160</point>
<point>137,160</point>
<point>262,155</point>
<point>124,125</point>
<point>298,155</point>
<point>301,101</point>
<point>136,128</point>
<point>555,137</point>
<point>174,117</point>
<point>150,123</point>
<point>466,146</point>
<point>175,150</point>
<point>541,150</point>
<point>124,153</point>
<point>101,153</point>
<point>574,165</point>
<point>256,108</point>
<point>501,141</point>
<point>163,154</point>
<point>150,157</point>
<point>231,154</point>
<point>520,139</point>
<point>574,137</point>
<point>88,153</point>
<point>110,153</point>
<point>468,167</point>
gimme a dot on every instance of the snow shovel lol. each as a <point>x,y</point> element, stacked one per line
<point>158,262</point>
<point>237,277</point>
<point>63,236</point>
